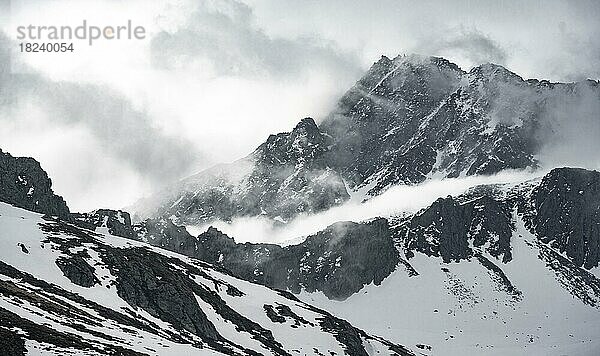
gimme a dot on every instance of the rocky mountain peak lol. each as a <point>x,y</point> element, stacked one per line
<point>493,72</point>
<point>307,125</point>
<point>408,119</point>
<point>422,61</point>
<point>214,235</point>
<point>25,184</point>
<point>302,145</point>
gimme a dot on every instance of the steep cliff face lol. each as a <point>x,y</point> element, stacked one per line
<point>384,110</point>
<point>564,212</point>
<point>453,230</point>
<point>414,117</point>
<point>25,184</point>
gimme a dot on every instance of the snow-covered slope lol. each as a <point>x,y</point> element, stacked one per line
<point>466,308</point>
<point>66,290</point>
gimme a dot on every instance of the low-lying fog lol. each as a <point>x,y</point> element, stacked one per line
<point>396,200</point>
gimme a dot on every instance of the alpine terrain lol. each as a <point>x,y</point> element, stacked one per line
<point>501,268</point>
<point>67,289</point>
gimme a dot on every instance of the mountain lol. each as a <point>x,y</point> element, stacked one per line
<point>500,269</point>
<point>66,289</point>
<point>561,210</point>
<point>407,120</point>
<point>564,212</point>
<point>503,268</point>
<point>413,117</point>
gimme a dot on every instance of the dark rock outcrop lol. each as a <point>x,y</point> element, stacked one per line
<point>77,270</point>
<point>285,176</point>
<point>117,222</point>
<point>148,281</point>
<point>565,213</point>
<point>25,184</point>
<point>165,234</point>
<point>382,112</point>
<point>11,343</point>
<point>447,227</point>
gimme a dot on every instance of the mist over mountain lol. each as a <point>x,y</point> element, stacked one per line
<point>407,120</point>
<point>432,212</point>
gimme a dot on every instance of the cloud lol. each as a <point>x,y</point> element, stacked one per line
<point>224,36</point>
<point>219,76</point>
<point>524,36</point>
<point>472,45</point>
<point>393,202</point>
<point>29,100</point>
<point>580,58</point>
<point>569,129</point>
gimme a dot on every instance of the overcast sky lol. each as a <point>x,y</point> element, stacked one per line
<point>213,79</point>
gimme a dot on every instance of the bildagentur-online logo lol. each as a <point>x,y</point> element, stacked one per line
<point>91,33</point>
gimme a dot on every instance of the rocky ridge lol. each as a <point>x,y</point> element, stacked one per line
<point>338,261</point>
<point>477,225</point>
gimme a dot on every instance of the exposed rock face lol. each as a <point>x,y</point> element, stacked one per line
<point>414,116</point>
<point>379,116</point>
<point>343,258</point>
<point>147,280</point>
<point>294,163</point>
<point>25,184</point>
<point>117,222</point>
<point>11,343</point>
<point>566,214</point>
<point>338,261</point>
<point>447,228</point>
<point>163,233</point>
<point>77,270</point>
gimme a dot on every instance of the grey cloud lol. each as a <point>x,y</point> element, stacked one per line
<point>227,37</point>
<point>581,58</point>
<point>471,44</point>
<point>124,132</point>
<point>570,127</point>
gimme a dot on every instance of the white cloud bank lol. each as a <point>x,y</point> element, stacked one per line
<point>394,201</point>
